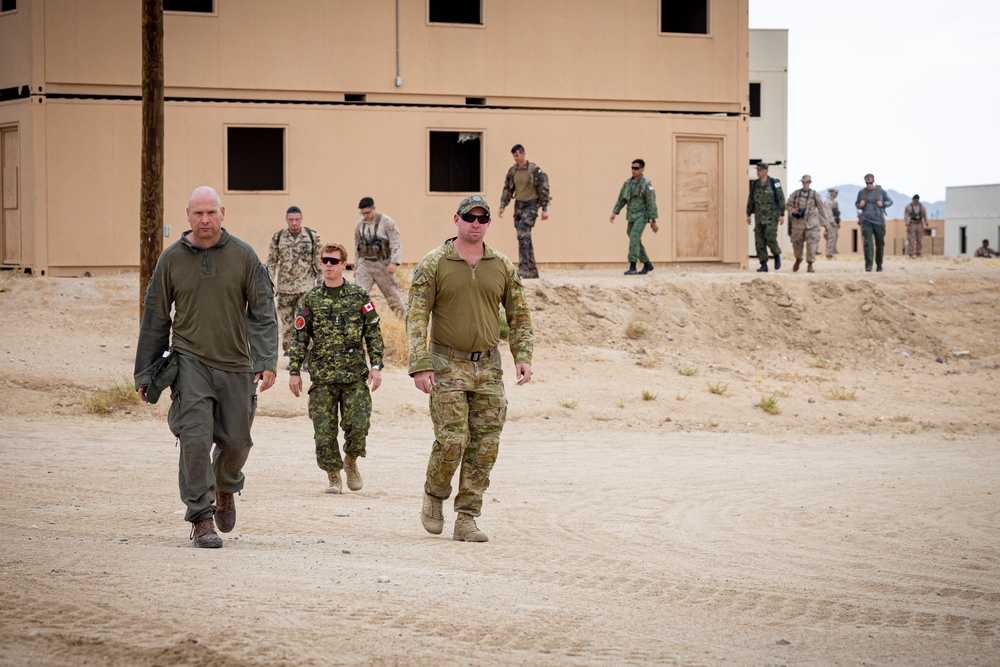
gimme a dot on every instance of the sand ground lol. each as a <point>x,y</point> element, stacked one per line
<point>638,515</point>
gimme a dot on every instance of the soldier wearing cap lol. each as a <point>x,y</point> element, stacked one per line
<point>807,215</point>
<point>380,250</point>
<point>457,362</point>
<point>766,202</point>
<point>832,230</point>
<point>916,222</point>
<point>293,260</point>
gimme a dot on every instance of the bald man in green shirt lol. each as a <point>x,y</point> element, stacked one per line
<point>464,283</point>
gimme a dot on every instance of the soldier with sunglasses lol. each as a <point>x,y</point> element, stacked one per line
<point>464,284</point>
<point>340,321</point>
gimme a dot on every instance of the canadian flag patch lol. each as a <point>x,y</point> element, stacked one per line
<point>369,307</point>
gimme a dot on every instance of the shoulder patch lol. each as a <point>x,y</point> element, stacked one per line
<point>300,322</point>
<point>777,182</point>
<point>368,307</point>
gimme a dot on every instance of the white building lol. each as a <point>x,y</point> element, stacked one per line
<point>973,214</point>
<point>769,112</point>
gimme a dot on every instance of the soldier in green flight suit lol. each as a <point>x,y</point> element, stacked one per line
<point>767,202</point>
<point>638,194</point>
<point>340,320</point>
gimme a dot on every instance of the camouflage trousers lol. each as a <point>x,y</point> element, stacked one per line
<point>287,306</point>
<point>636,251</point>
<point>765,236</point>
<point>354,403</point>
<point>809,237</point>
<point>525,216</point>
<point>915,239</point>
<point>468,409</point>
<point>368,273</point>
<point>831,240</point>
<point>210,407</point>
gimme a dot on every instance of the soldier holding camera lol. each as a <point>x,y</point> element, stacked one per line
<point>807,215</point>
<point>379,250</point>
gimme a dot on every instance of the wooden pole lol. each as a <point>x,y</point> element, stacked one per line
<point>151,203</point>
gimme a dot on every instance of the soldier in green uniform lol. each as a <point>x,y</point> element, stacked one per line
<point>638,194</point>
<point>340,321</point>
<point>767,203</point>
<point>293,260</point>
<point>464,283</point>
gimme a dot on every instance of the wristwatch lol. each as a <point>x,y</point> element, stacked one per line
<point>377,367</point>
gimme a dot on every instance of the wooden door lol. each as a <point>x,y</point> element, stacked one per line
<point>10,213</point>
<point>697,226</point>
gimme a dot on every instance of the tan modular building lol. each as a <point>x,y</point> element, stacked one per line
<point>415,103</point>
<point>851,242</point>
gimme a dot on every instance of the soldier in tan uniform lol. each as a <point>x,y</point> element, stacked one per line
<point>807,213</point>
<point>916,222</point>
<point>293,260</point>
<point>379,250</point>
<point>460,368</point>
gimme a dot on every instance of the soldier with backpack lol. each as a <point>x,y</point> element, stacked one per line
<point>871,204</point>
<point>296,250</point>
<point>767,203</point>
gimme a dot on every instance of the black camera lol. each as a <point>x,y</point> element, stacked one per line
<point>799,213</point>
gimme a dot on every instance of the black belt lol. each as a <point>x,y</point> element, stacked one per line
<point>461,355</point>
<point>375,259</point>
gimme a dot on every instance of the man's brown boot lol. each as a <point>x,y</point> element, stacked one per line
<point>466,529</point>
<point>225,510</point>
<point>431,515</point>
<point>204,535</point>
<point>797,264</point>
<point>809,267</point>
<point>354,481</point>
<point>334,477</point>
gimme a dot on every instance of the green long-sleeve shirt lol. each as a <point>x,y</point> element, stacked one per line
<point>223,309</point>
<point>638,194</point>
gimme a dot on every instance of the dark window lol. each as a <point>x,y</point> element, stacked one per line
<point>686,16</point>
<point>475,101</point>
<point>963,240</point>
<point>354,97</point>
<point>455,11</point>
<point>755,100</point>
<point>199,6</point>
<point>8,5</point>
<point>455,162</point>
<point>256,157</point>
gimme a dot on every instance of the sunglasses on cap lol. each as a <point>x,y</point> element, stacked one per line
<point>332,260</point>
<point>471,217</point>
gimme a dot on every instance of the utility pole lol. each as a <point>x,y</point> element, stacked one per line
<point>151,202</point>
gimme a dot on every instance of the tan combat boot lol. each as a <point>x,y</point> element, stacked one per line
<point>466,529</point>
<point>431,515</point>
<point>334,476</point>
<point>204,535</point>
<point>354,481</point>
<point>809,267</point>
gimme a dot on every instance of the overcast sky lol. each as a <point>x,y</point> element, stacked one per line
<point>906,89</point>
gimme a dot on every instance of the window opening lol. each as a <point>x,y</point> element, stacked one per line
<point>455,161</point>
<point>255,158</point>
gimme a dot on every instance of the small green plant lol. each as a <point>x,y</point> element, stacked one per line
<point>687,371</point>
<point>621,403</point>
<point>769,404</point>
<point>647,395</point>
<point>569,403</point>
<point>635,330</point>
<point>114,397</point>
<point>718,388</point>
<point>680,397</point>
<point>841,394</point>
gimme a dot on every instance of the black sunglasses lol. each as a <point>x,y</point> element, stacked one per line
<point>332,260</point>
<point>635,168</point>
<point>481,219</point>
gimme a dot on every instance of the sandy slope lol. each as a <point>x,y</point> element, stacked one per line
<point>692,528</point>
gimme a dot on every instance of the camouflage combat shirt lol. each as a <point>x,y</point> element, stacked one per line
<point>342,323</point>
<point>539,179</point>
<point>640,197</point>
<point>466,304</point>
<point>299,257</point>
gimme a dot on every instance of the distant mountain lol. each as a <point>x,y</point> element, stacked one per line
<point>848,193</point>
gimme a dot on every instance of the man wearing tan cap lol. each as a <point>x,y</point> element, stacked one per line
<point>806,213</point>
